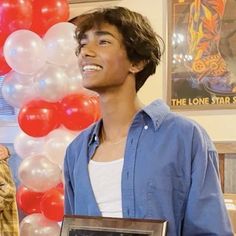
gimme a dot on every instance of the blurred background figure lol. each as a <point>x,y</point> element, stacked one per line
<point>9,223</point>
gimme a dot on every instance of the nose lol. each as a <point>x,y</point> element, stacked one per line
<point>88,50</point>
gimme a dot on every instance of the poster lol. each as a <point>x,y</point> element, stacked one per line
<point>202,54</point>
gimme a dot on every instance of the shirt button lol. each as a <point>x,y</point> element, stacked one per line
<point>145,127</point>
<point>95,138</point>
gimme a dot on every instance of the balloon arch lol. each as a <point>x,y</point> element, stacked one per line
<point>42,80</point>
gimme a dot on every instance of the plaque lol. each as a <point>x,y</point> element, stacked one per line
<point>107,226</point>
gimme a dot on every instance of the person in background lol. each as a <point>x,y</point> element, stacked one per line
<point>138,161</point>
<point>9,222</point>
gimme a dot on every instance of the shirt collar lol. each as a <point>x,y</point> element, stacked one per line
<point>157,111</point>
<point>95,133</point>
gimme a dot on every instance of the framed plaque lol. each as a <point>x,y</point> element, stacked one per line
<point>106,226</point>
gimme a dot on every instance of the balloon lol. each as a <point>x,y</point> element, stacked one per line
<point>38,173</point>
<point>47,13</point>
<point>25,52</point>
<point>15,15</point>
<point>95,100</point>
<point>74,78</point>
<point>37,225</point>
<point>51,83</point>
<point>37,118</point>
<point>28,200</point>
<point>60,43</point>
<point>4,67</point>
<point>78,111</point>
<point>26,145</point>
<point>56,144</point>
<point>17,89</point>
<point>52,204</point>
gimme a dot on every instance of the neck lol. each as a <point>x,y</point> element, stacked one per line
<point>118,113</point>
<point>119,104</point>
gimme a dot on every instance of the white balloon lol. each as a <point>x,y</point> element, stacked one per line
<point>74,78</point>
<point>26,145</point>
<point>24,52</point>
<point>37,225</point>
<point>17,89</point>
<point>39,173</point>
<point>60,43</point>
<point>51,83</point>
<point>56,144</point>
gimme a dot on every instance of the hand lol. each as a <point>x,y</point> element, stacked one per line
<point>4,152</point>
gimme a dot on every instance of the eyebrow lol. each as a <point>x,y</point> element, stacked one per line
<point>99,33</point>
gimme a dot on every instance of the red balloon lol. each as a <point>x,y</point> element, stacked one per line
<point>52,204</point>
<point>60,186</point>
<point>37,118</point>
<point>15,15</point>
<point>46,13</point>
<point>28,201</point>
<point>96,102</point>
<point>78,111</point>
<point>4,67</point>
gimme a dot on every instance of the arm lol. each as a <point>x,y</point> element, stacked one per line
<point>205,210</point>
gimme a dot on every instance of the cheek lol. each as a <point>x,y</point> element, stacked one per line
<point>119,61</point>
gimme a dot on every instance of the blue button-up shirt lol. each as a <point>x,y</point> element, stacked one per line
<point>170,172</point>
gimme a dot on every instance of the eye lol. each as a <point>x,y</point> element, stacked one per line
<point>104,42</point>
<point>82,44</point>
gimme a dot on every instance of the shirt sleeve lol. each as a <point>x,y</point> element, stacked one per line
<point>69,195</point>
<point>206,213</point>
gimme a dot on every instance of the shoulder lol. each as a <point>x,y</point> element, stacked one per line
<point>188,129</point>
<point>80,143</point>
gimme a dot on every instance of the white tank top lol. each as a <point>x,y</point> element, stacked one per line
<point>105,179</point>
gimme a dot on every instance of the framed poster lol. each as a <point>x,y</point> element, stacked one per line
<point>201,54</point>
<point>106,226</point>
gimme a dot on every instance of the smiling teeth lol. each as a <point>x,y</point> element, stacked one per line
<point>91,68</point>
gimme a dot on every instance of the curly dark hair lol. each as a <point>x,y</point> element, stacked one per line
<point>140,40</point>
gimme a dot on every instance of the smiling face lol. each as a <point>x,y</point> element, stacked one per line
<point>103,60</point>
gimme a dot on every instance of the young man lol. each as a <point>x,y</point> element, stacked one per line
<point>9,223</point>
<point>138,161</point>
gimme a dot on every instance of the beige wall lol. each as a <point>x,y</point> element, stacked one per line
<point>220,124</point>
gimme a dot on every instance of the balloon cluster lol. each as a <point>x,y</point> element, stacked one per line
<point>35,15</point>
<point>42,80</point>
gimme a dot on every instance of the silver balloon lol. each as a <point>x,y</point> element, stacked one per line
<point>25,51</point>
<point>17,89</point>
<point>39,173</point>
<point>60,43</point>
<point>37,225</point>
<point>26,145</point>
<point>51,83</point>
<point>74,78</point>
<point>56,144</point>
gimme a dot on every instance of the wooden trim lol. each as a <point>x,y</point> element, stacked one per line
<point>222,170</point>
<point>222,149</point>
<point>226,147</point>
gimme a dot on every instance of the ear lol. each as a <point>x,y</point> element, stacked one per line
<point>137,66</point>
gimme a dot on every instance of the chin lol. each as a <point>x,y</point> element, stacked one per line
<point>90,87</point>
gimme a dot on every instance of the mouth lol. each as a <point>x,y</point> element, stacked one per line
<point>91,68</point>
